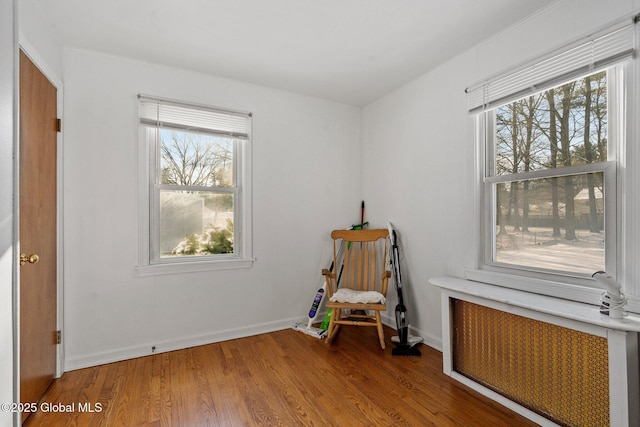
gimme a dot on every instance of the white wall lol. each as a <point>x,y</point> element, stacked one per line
<point>7,255</point>
<point>419,150</point>
<point>306,181</point>
<point>410,155</point>
<point>39,42</point>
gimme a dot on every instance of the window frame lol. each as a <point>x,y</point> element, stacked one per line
<point>623,106</point>
<point>609,169</point>
<point>149,261</point>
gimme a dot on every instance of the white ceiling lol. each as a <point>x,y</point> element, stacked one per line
<point>351,51</point>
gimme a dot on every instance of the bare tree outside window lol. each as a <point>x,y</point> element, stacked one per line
<point>196,213</point>
<point>543,222</point>
<point>195,159</point>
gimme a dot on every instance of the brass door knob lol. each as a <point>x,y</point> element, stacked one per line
<point>31,259</point>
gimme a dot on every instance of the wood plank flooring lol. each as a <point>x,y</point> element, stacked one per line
<point>283,378</point>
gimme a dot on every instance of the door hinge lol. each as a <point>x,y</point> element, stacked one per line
<point>58,337</point>
<point>58,125</point>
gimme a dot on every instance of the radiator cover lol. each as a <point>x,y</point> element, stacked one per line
<point>560,373</point>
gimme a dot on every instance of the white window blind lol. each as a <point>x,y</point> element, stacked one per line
<point>174,115</point>
<point>586,56</point>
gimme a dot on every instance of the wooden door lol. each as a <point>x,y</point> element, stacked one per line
<point>37,188</point>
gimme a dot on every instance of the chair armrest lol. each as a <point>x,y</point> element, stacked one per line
<point>326,272</point>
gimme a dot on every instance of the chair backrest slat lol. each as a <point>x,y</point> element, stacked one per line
<point>364,260</point>
<point>364,284</point>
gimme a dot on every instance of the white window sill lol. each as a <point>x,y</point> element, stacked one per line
<point>192,267</point>
<point>537,285</point>
<point>555,289</point>
<point>562,308</point>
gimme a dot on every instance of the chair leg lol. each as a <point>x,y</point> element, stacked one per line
<point>333,328</point>
<point>380,330</point>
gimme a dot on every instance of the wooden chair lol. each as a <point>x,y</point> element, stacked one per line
<point>358,281</point>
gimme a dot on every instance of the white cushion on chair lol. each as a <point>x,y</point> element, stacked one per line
<point>364,297</point>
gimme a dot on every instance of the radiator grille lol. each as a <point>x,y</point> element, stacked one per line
<point>559,373</point>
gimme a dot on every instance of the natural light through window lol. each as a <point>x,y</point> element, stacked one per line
<point>555,219</point>
<point>196,194</point>
<point>195,161</point>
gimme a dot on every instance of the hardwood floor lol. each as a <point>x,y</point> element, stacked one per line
<point>284,378</point>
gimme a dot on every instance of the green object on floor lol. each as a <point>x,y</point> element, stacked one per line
<point>325,323</point>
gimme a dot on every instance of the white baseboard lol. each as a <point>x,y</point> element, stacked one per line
<point>116,355</point>
<point>72,363</point>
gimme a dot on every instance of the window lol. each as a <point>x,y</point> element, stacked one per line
<point>548,157</point>
<point>551,134</point>
<point>195,166</point>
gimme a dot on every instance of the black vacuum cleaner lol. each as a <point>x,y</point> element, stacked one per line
<point>405,345</point>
